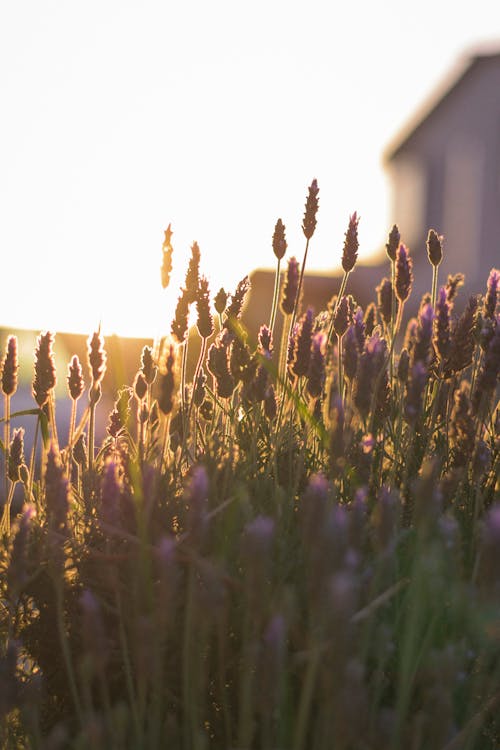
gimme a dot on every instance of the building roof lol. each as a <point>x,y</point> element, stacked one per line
<point>459,76</point>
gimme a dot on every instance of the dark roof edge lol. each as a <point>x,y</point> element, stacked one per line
<point>426,109</point>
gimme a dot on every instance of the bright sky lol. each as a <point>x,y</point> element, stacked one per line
<point>120,116</point>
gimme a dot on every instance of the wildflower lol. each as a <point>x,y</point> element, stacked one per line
<point>370,319</point>
<point>166,265</point>
<point>199,388</point>
<point>220,301</point>
<point>140,386</point>
<point>233,312</point>
<point>75,378</point>
<point>350,353</point>
<point>404,275</point>
<point>96,357</point>
<point>492,293</point>
<point>179,327</point>
<point>302,353</point>
<point>343,316</point>
<point>279,240</point>
<point>421,349</point>
<point>316,369</point>
<point>265,338</point>
<point>411,335</point>
<point>218,365</point>
<point>111,490</point>
<point>351,244</point>
<point>434,247</point>
<point>461,428</point>
<point>403,366</point>
<point>442,333</point>
<point>121,411</point>
<point>462,339</point>
<point>393,243</point>
<point>384,300</point>
<point>359,328</point>
<point>370,364</point>
<point>241,364</point>
<point>311,209</point>
<point>290,287</point>
<point>205,322</point>
<point>56,492</point>
<point>167,384</point>
<point>193,274</point>
<point>415,391</point>
<point>17,573</point>
<point>10,367</point>
<point>148,367</point>
<point>80,452</point>
<point>16,454</point>
<point>45,369</point>
<point>452,286</point>
<point>489,372</point>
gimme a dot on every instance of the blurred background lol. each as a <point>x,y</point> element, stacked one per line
<point>121,117</point>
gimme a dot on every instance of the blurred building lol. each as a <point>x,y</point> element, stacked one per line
<point>445,173</point>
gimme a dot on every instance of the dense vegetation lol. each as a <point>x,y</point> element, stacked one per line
<point>298,549</point>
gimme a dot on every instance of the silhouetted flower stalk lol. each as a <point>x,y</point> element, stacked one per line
<point>10,367</point>
<point>349,257</point>
<point>308,227</point>
<point>75,388</point>
<point>44,382</point>
<point>205,327</point>
<point>288,304</point>
<point>279,249</point>
<point>15,462</point>
<point>166,264</point>
<point>166,399</point>
<point>435,255</point>
<point>97,365</point>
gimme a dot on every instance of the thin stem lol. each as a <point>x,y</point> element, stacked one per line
<point>299,288</point>
<point>341,369</point>
<point>434,285</point>
<point>275,296</point>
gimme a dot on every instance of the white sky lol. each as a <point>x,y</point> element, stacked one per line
<point>120,116</point>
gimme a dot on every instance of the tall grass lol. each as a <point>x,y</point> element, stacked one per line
<point>299,549</point>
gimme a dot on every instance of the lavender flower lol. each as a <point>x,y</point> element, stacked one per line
<point>393,243</point>
<point>10,367</point>
<point>404,275</point>
<point>316,370</point>
<point>415,392</point>
<point>265,338</point>
<point>302,353</point>
<point>96,357</point>
<point>384,300</point>
<point>166,265</point>
<point>370,319</point>
<point>290,287</point>
<point>311,209</point>
<point>220,301</point>
<point>350,353</point>
<point>492,293</point>
<point>56,492</point>
<point>148,367</point>
<point>452,286</point>
<point>179,327</point>
<point>75,378</point>
<point>434,247</point>
<point>205,322</point>
<point>442,332</point>
<point>351,244</point>
<point>193,274</point>
<point>167,384</point>
<point>16,455</point>
<point>234,310</point>
<point>45,369</point>
<point>279,240</point>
